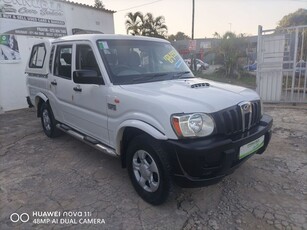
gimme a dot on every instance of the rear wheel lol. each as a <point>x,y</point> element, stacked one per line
<point>48,121</point>
<point>149,169</point>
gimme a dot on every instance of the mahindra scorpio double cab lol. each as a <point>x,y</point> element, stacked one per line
<point>136,99</point>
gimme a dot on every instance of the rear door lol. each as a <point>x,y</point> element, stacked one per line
<point>60,82</point>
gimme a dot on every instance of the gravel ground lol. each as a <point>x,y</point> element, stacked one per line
<point>38,174</point>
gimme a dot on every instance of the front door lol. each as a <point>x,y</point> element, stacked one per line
<point>89,100</point>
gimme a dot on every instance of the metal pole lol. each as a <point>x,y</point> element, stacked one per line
<point>305,80</point>
<point>259,61</point>
<point>294,64</point>
<point>193,13</point>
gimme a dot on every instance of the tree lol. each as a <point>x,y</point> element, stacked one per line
<point>297,18</point>
<point>146,25</point>
<point>154,27</point>
<point>216,35</point>
<point>232,48</point>
<point>98,4</point>
<point>134,23</point>
<point>178,36</point>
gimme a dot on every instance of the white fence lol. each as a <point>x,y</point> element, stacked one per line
<point>281,64</point>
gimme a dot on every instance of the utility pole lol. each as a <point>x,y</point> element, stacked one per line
<point>193,12</point>
<point>230,26</point>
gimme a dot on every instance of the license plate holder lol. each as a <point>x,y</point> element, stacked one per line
<point>251,147</point>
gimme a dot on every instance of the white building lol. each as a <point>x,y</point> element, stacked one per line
<point>23,22</point>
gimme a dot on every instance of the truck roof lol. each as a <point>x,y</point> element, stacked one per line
<point>95,37</point>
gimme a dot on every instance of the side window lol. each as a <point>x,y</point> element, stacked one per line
<point>85,59</point>
<point>51,59</point>
<point>62,62</point>
<point>37,58</point>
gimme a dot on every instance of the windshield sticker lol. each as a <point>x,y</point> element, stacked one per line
<point>171,56</point>
<point>145,60</point>
<point>103,45</point>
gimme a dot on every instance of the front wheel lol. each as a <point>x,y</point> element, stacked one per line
<point>149,169</point>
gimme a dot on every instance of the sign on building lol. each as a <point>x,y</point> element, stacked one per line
<point>25,22</point>
<point>43,18</point>
<point>9,51</point>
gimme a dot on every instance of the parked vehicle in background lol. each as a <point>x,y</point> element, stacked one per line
<point>251,67</point>
<point>134,98</point>
<point>200,65</point>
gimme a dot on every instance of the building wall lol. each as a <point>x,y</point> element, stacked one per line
<point>13,91</point>
<point>87,18</point>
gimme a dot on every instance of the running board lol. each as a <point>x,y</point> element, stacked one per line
<point>88,140</point>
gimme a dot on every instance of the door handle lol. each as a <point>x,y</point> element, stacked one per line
<point>54,82</point>
<point>77,89</point>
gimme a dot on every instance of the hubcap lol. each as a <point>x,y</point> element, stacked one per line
<point>146,171</point>
<point>46,120</point>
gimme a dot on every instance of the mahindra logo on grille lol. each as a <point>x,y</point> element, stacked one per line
<point>246,111</point>
<point>245,107</point>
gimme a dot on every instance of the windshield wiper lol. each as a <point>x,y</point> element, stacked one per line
<point>145,78</point>
<point>180,75</point>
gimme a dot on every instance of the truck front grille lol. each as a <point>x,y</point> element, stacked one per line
<point>235,119</point>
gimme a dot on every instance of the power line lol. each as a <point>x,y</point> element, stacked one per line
<point>139,6</point>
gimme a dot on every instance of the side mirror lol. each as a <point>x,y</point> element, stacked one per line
<point>87,77</point>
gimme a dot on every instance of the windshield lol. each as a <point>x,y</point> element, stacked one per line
<point>135,61</point>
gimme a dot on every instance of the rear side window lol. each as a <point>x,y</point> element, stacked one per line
<point>38,55</point>
<point>62,62</point>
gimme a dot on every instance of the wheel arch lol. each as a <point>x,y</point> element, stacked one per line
<point>128,130</point>
<point>39,99</point>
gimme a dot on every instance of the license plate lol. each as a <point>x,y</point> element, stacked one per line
<point>251,147</point>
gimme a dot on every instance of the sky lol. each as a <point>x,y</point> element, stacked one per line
<point>239,16</point>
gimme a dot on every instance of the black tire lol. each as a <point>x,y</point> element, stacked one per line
<point>156,187</point>
<point>48,121</point>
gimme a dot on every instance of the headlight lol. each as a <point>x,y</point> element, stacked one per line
<point>192,125</point>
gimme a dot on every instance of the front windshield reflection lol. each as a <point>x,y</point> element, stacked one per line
<point>136,61</point>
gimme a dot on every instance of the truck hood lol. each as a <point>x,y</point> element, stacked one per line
<point>193,95</point>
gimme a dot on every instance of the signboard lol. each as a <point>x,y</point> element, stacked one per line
<point>9,51</point>
<point>42,18</point>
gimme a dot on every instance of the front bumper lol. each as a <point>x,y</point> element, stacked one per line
<point>199,162</point>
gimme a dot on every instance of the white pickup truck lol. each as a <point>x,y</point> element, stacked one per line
<point>136,99</point>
